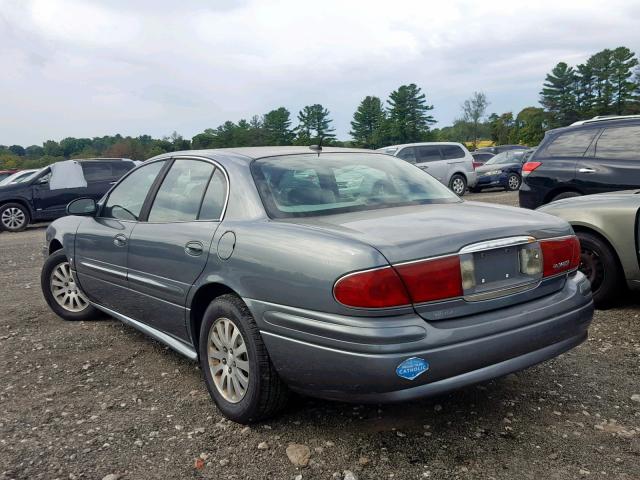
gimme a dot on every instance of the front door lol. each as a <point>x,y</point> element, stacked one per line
<point>614,163</point>
<point>51,203</point>
<point>102,243</point>
<point>169,251</point>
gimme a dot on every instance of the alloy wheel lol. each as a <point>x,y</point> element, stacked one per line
<point>457,186</point>
<point>514,182</point>
<point>228,360</point>
<point>13,218</point>
<point>65,290</point>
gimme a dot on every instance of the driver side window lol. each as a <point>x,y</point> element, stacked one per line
<point>127,198</point>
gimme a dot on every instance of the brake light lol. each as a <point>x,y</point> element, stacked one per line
<point>560,255</point>
<point>477,164</point>
<point>435,279</point>
<point>529,167</point>
<point>378,288</point>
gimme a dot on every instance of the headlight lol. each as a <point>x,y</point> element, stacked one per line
<point>493,172</point>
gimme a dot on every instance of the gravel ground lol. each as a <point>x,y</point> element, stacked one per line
<point>99,400</point>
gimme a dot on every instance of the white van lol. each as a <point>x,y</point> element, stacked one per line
<point>449,162</point>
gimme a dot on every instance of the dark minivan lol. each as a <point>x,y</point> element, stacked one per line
<point>35,200</point>
<point>592,156</point>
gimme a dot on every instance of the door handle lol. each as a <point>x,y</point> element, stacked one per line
<point>587,170</point>
<point>193,248</point>
<point>113,183</point>
<point>119,240</point>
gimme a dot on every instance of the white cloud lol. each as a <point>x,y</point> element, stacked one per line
<point>87,68</point>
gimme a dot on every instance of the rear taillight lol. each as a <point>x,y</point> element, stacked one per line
<point>560,255</point>
<point>378,288</point>
<point>477,164</point>
<point>435,279</point>
<point>529,167</point>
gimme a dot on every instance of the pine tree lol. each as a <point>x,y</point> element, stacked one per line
<point>367,127</point>
<point>625,98</point>
<point>408,117</point>
<point>558,95</point>
<point>314,125</point>
<point>585,90</point>
<point>277,127</point>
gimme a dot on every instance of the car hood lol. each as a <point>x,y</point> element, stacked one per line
<point>502,166</point>
<point>13,187</point>
<point>409,233</point>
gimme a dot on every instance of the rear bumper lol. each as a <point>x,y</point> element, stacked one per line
<point>472,179</point>
<point>355,359</point>
<point>530,198</point>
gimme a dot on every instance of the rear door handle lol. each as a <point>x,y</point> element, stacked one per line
<point>587,170</point>
<point>119,240</point>
<point>193,248</point>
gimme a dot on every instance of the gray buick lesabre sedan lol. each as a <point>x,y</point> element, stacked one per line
<point>339,273</point>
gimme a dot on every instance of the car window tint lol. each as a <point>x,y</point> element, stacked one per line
<point>126,200</point>
<point>571,144</point>
<point>449,152</point>
<point>619,143</point>
<point>97,171</point>
<point>214,198</point>
<point>428,153</point>
<point>408,154</point>
<point>180,195</point>
<point>120,168</point>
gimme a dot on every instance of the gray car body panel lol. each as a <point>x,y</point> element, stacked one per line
<point>285,271</point>
<point>614,216</point>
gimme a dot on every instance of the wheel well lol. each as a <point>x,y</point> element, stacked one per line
<point>21,202</point>
<point>201,300</point>
<point>54,246</point>
<point>460,174</point>
<point>595,233</point>
<point>553,193</point>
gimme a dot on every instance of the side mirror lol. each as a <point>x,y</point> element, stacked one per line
<point>82,206</point>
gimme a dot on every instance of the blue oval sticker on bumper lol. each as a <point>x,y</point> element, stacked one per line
<point>412,367</point>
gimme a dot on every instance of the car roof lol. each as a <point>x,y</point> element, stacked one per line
<point>417,144</point>
<point>252,153</point>
<point>599,122</point>
<point>606,118</point>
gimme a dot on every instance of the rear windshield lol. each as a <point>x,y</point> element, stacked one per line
<point>311,185</point>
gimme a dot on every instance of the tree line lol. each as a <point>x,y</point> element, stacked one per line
<point>608,83</point>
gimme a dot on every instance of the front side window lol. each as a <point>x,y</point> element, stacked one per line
<point>451,152</point>
<point>571,144</point>
<point>428,153</point>
<point>619,143</point>
<point>342,182</point>
<point>127,198</point>
<point>180,195</point>
<point>408,154</point>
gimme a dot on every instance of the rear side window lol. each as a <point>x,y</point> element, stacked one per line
<point>120,168</point>
<point>97,171</point>
<point>180,195</point>
<point>619,143</point>
<point>428,153</point>
<point>449,152</point>
<point>571,144</point>
<point>214,198</point>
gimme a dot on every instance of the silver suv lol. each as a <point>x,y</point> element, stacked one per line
<point>449,162</point>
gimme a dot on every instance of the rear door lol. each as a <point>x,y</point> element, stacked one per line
<point>169,250</point>
<point>102,242</point>
<point>429,158</point>
<point>613,163</point>
<point>99,176</point>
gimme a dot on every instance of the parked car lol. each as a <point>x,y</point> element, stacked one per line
<point>609,234</point>
<point>449,162</point>
<point>18,177</point>
<point>480,158</point>
<point>593,156</point>
<point>36,200</point>
<point>503,170</point>
<point>6,173</point>
<point>501,148</point>
<point>277,276</point>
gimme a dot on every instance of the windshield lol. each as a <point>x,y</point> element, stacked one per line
<point>312,185</point>
<point>510,156</point>
<point>18,177</point>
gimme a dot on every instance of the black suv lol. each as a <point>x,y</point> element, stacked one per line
<point>591,156</point>
<point>33,200</point>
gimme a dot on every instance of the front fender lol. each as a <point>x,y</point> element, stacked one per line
<point>61,234</point>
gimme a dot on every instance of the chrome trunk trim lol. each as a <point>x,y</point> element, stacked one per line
<point>497,243</point>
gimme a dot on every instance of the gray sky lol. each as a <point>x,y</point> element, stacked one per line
<point>91,68</point>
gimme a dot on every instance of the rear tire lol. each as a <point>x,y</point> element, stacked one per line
<point>14,217</point>
<point>513,182</point>
<point>61,292</point>
<point>256,391</point>
<point>563,195</point>
<point>599,263</point>
<point>458,184</point>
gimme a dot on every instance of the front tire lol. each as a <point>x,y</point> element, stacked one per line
<point>600,265</point>
<point>14,217</point>
<point>237,369</point>
<point>458,184</point>
<point>62,293</point>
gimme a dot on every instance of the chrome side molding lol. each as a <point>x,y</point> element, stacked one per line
<point>168,340</point>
